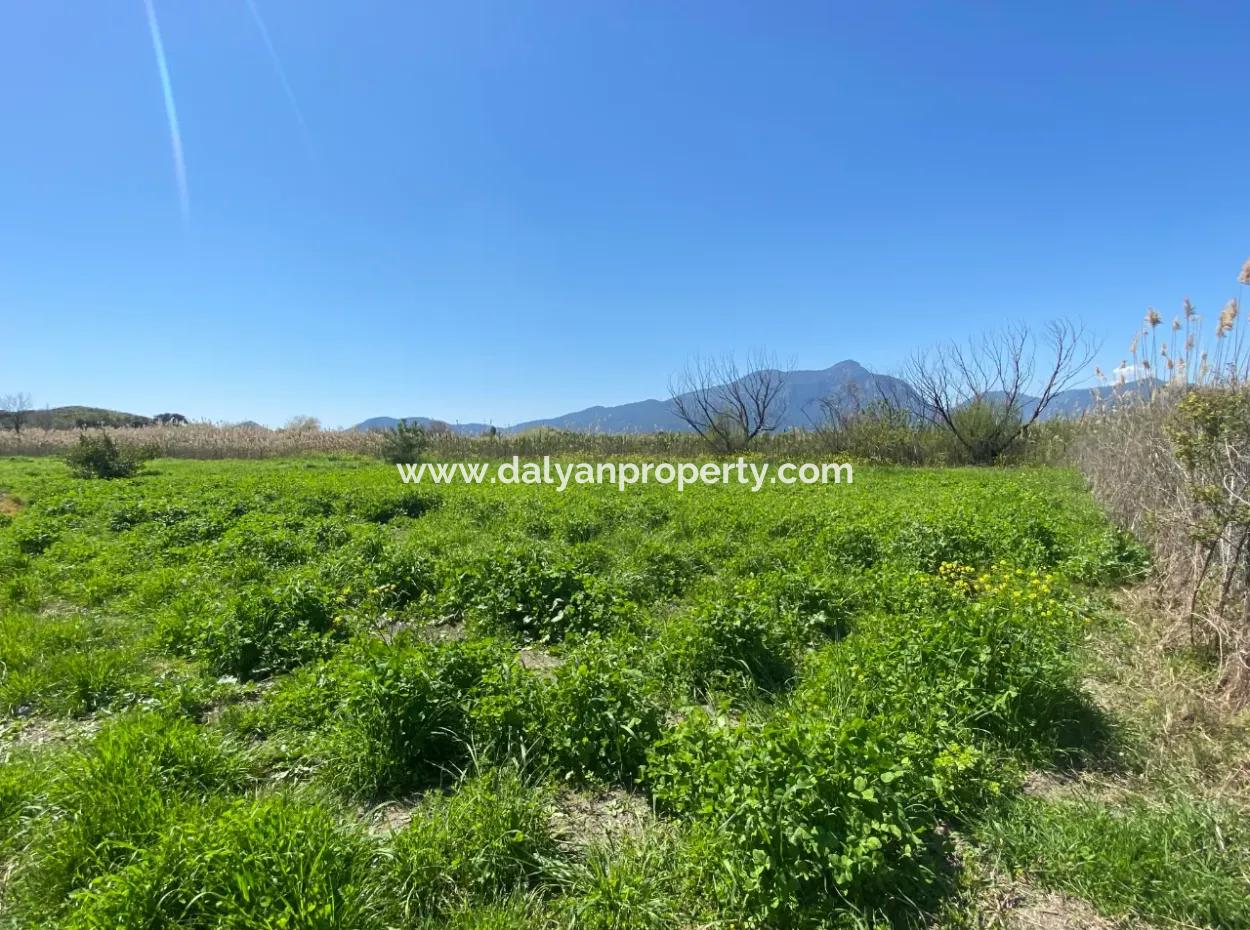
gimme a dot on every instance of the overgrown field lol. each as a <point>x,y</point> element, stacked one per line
<point>298,693</point>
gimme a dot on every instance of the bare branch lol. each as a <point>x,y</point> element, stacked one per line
<point>725,406</point>
<point>980,390</point>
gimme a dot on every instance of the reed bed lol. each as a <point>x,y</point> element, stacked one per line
<point>1169,459</point>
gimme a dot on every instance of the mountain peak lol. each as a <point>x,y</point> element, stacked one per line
<point>846,366</point>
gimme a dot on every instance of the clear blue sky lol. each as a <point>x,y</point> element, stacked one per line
<point>513,209</point>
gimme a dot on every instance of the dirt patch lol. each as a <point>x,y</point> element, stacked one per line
<point>40,732</point>
<point>9,505</point>
<point>390,817</point>
<point>580,820</point>
<point>1021,907</point>
<point>541,662</point>
<point>390,630</point>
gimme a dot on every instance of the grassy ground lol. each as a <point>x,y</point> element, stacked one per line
<point>1155,830</point>
<point>301,694</point>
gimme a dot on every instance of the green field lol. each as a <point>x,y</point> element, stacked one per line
<point>298,693</point>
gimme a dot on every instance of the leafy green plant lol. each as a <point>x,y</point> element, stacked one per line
<point>599,715</point>
<point>528,594</point>
<point>97,456</point>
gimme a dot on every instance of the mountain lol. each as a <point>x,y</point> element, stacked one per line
<point>801,391</point>
<point>1076,402</point>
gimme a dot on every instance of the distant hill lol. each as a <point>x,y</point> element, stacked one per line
<point>78,417</point>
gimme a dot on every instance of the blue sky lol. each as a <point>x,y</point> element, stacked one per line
<point>505,210</point>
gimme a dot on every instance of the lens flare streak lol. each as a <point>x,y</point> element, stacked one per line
<point>171,111</point>
<point>278,68</point>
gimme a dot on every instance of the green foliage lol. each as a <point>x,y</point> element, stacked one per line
<point>1206,421</point>
<point>117,795</point>
<point>892,730</point>
<point>97,456</point>
<point>528,594</point>
<point>63,664</point>
<point>987,428</point>
<point>405,713</point>
<point>266,631</point>
<point>636,883</point>
<point>735,640</point>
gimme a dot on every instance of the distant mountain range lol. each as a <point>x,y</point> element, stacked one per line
<point>802,391</point>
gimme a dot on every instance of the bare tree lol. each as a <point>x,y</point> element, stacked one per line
<point>15,409</point>
<point>725,406</point>
<point>302,423</point>
<point>979,390</point>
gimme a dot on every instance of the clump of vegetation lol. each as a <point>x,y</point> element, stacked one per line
<point>110,800</point>
<point>600,715</point>
<point>528,594</point>
<point>274,861</point>
<point>480,844</point>
<point>403,444</point>
<point>97,456</point>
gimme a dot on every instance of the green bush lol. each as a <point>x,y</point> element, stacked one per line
<point>600,715</point>
<point>97,456</point>
<point>848,823</point>
<point>262,632</point>
<point>405,719</point>
<point>404,443</point>
<point>734,640</point>
<point>530,595</point>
